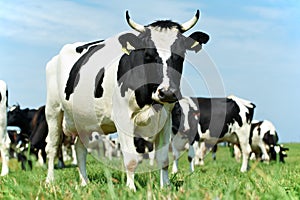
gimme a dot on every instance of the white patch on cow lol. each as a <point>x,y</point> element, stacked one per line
<point>163,40</point>
<point>268,126</point>
<point>4,139</point>
<point>185,107</point>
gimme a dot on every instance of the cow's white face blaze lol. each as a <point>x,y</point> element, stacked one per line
<point>163,41</point>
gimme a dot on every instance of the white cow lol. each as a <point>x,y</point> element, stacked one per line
<point>4,139</point>
<point>96,87</point>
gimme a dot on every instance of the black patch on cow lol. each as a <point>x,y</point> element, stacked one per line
<point>6,98</point>
<point>141,70</point>
<point>98,84</point>
<point>270,139</point>
<point>176,118</point>
<point>141,145</point>
<point>74,75</point>
<point>216,114</point>
<point>250,113</point>
<point>85,46</point>
<point>0,97</point>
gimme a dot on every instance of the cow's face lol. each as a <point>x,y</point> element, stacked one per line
<point>159,49</point>
<point>185,117</point>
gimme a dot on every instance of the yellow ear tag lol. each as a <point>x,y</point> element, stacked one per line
<point>195,44</point>
<point>125,50</point>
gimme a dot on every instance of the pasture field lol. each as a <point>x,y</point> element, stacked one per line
<point>218,179</point>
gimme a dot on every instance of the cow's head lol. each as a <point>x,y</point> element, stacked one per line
<point>159,50</point>
<point>185,118</point>
<point>14,115</point>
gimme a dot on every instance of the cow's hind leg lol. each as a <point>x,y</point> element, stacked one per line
<point>245,146</point>
<point>54,117</point>
<point>81,153</point>
<point>162,143</point>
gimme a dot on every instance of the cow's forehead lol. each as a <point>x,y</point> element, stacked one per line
<point>163,38</point>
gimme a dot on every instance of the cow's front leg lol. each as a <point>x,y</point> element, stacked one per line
<point>162,158</point>
<point>265,155</point>
<point>130,158</point>
<point>175,157</point>
<point>81,153</point>
<point>191,157</point>
<point>162,143</point>
<point>245,147</point>
<point>202,152</point>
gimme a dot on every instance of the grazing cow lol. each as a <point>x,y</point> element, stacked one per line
<point>97,87</point>
<point>221,119</point>
<point>4,139</point>
<point>263,141</point>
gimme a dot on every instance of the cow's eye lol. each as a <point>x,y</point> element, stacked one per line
<point>149,57</point>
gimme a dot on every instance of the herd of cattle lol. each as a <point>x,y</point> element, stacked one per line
<point>130,84</point>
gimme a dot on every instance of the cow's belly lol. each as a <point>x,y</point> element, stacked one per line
<point>210,139</point>
<point>85,118</point>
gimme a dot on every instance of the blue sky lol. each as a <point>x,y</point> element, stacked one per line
<point>253,47</point>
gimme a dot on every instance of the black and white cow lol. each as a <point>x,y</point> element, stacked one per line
<point>96,87</point>
<point>215,120</point>
<point>4,139</point>
<point>263,141</point>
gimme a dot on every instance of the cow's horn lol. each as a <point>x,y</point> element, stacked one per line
<point>189,24</point>
<point>132,24</point>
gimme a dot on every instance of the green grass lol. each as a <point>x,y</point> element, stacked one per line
<point>216,180</point>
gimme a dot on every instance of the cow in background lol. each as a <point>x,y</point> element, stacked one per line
<point>264,142</point>
<point>98,87</point>
<point>4,139</point>
<point>104,145</point>
<point>215,120</point>
<point>34,130</point>
<point>21,118</point>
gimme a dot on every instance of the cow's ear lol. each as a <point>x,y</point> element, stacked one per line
<point>130,42</point>
<point>195,40</point>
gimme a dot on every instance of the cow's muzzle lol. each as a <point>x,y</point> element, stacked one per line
<point>168,95</point>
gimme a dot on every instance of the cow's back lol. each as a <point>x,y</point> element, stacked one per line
<point>216,114</point>
<point>87,77</point>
